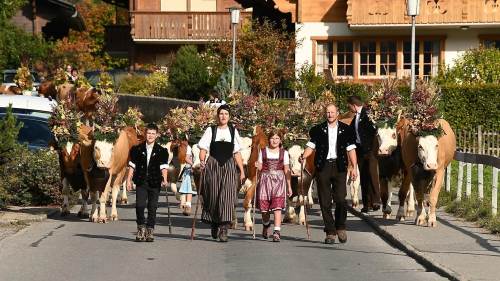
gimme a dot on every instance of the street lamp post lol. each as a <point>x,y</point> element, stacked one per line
<point>413,9</point>
<point>235,19</point>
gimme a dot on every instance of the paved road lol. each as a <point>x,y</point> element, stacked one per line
<point>74,249</point>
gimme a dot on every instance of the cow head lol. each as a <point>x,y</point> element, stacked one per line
<point>70,157</point>
<point>182,151</point>
<point>196,158</point>
<point>294,153</point>
<point>102,154</point>
<point>388,141</point>
<point>428,151</point>
<point>247,150</point>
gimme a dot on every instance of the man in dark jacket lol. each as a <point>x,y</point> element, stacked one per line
<point>332,141</point>
<point>149,166</point>
<point>367,160</point>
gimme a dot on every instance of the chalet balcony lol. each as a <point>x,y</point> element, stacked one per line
<point>182,26</point>
<point>117,40</point>
<point>365,13</point>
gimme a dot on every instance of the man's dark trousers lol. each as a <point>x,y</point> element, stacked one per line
<point>370,189</point>
<point>146,191</point>
<point>332,184</point>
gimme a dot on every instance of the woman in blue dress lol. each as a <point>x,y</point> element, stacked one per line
<point>187,182</point>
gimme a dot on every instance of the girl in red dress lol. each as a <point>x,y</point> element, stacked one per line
<point>274,163</point>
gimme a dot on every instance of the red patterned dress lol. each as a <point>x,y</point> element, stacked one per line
<point>271,189</point>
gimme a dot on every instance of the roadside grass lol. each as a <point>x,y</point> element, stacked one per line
<point>472,209</point>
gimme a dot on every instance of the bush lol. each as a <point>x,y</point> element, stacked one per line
<point>475,66</point>
<point>32,178</point>
<point>132,84</point>
<point>8,137</point>
<point>155,84</point>
<point>307,82</point>
<point>344,90</point>
<point>189,74</point>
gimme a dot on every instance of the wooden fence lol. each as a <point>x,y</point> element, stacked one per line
<point>467,159</point>
<point>478,141</point>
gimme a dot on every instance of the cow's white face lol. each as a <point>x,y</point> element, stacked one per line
<point>428,151</point>
<point>70,157</point>
<point>102,154</point>
<point>294,153</point>
<point>247,150</point>
<point>170,154</point>
<point>388,141</point>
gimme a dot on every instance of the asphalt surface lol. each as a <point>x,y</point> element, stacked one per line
<point>76,249</point>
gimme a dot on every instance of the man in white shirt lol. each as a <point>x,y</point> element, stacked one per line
<point>214,100</point>
<point>333,141</point>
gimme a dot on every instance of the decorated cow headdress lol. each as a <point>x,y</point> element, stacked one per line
<point>385,104</point>
<point>424,112</point>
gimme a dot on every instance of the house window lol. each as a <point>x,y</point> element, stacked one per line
<point>427,57</point>
<point>336,56</point>
<point>368,58</point>
<point>378,58</point>
<point>489,43</point>
<point>388,57</point>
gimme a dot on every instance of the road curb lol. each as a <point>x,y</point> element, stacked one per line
<point>33,218</point>
<point>406,247</point>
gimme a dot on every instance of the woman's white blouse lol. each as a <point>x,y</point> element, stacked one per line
<point>222,135</point>
<point>189,151</point>
<point>270,155</point>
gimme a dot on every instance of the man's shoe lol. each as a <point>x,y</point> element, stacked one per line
<point>265,231</point>
<point>376,207</point>
<point>330,239</point>
<point>342,235</point>
<point>215,232</point>
<point>223,234</point>
<point>141,233</point>
<point>364,209</point>
<point>149,235</point>
<point>276,236</point>
<point>187,211</point>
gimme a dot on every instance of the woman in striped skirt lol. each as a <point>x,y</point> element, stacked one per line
<point>220,179</point>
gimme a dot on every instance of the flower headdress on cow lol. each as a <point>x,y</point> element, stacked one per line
<point>81,82</point>
<point>301,116</point>
<point>201,118</point>
<point>64,122</point>
<point>108,119</point>
<point>385,104</point>
<point>133,118</point>
<point>243,112</point>
<point>105,84</point>
<point>60,78</point>
<point>24,79</point>
<point>424,112</point>
<point>176,124</point>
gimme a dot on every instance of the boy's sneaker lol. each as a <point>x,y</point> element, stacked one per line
<point>276,236</point>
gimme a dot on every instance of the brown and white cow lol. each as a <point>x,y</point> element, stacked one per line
<point>10,90</point>
<point>47,89</point>
<point>258,141</point>
<point>112,158</point>
<point>308,177</point>
<point>425,159</point>
<point>72,175</point>
<point>246,152</point>
<point>354,186</point>
<point>86,98</point>
<point>63,91</point>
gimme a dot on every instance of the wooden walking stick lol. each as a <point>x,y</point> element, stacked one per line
<point>197,204</point>
<point>255,194</point>
<point>304,198</point>
<point>168,208</point>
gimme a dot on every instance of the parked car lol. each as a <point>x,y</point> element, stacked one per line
<point>8,79</point>
<point>28,105</point>
<point>35,131</point>
<point>116,74</point>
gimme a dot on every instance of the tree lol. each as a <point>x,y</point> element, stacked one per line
<point>8,137</point>
<point>307,82</point>
<point>240,83</point>
<point>265,51</point>
<point>85,50</point>
<point>189,74</point>
<point>474,66</point>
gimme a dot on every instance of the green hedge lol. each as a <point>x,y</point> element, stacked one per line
<point>344,90</point>
<point>32,178</point>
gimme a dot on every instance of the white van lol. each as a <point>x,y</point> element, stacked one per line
<point>29,105</point>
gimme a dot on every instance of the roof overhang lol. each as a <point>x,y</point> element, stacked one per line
<point>425,25</point>
<point>70,13</point>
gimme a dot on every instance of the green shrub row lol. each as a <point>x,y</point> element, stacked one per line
<point>32,178</point>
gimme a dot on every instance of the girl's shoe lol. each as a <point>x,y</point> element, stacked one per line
<point>187,211</point>
<point>276,236</point>
<point>266,232</point>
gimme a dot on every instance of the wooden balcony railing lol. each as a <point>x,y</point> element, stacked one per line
<point>371,12</point>
<point>117,40</point>
<point>182,25</point>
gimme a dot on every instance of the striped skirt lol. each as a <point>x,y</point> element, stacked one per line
<point>219,191</point>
